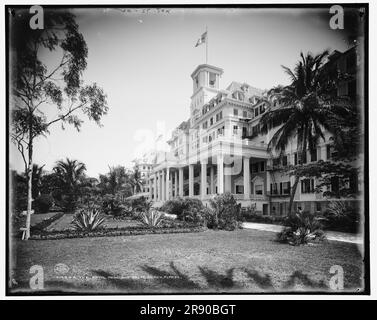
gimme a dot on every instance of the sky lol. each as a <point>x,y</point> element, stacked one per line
<point>143,62</point>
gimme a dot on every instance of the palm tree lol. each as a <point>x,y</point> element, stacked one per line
<point>306,108</point>
<point>136,181</point>
<point>70,174</point>
<point>115,181</point>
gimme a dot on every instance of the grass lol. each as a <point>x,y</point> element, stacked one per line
<point>206,262</point>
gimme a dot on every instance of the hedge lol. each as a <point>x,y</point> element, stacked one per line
<point>129,231</point>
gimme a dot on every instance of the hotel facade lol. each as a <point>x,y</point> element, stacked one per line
<point>220,149</point>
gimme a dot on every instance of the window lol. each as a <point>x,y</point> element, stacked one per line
<point>211,121</point>
<point>284,160</point>
<point>205,125</point>
<point>262,166</point>
<point>303,157</point>
<point>313,155</point>
<point>295,155</point>
<point>254,167</point>
<point>239,189</point>
<point>219,116</point>
<point>318,206</point>
<point>255,130</point>
<point>274,188</point>
<point>262,109</point>
<point>212,79</point>
<point>286,188</point>
<point>259,189</point>
<point>330,152</point>
<point>335,184</point>
<point>235,112</point>
<point>235,129</point>
<point>307,186</point>
<point>276,162</point>
<point>256,112</point>
<point>244,114</point>
<point>205,139</point>
<point>244,131</point>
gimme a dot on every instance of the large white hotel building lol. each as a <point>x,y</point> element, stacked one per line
<point>221,149</point>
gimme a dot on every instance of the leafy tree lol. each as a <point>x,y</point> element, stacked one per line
<point>71,175</point>
<point>38,85</point>
<point>306,108</point>
<point>136,181</point>
<point>117,180</point>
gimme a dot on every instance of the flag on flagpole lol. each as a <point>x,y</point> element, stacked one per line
<point>202,39</point>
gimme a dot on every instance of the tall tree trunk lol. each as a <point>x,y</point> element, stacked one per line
<point>29,183</point>
<point>300,150</point>
<point>292,196</point>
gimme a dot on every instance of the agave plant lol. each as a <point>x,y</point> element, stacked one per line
<point>151,218</point>
<point>88,220</point>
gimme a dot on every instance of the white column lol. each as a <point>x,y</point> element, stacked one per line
<point>150,188</point>
<point>155,187</point>
<point>181,182</point>
<point>220,174</point>
<point>212,179</point>
<point>175,183</point>
<point>163,187</point>
<point>246,178</point>
<point>191,180</point>
<point>167,195</point>
<point>227,182</point>
<point>203,179</point>
<point>160,186</point>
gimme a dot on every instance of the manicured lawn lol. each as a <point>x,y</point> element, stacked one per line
<point>205,262</point>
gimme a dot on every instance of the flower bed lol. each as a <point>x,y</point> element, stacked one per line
<point>105,232</point>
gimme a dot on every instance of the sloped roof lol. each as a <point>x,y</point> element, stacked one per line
<point>234,85</point>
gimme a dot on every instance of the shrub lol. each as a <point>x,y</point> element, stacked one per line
<point>175,206</point>
<point>188,210</point>
<point>151,218</point>
<point>225,214</point>
<point>139,205</point>
<point>342,216</point>
<point>43,203</point>
<point>111,205</point>
<point>301,228</point>
<point>88,220</point>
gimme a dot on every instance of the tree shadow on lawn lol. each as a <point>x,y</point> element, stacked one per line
<point>303,278</point>
<point>263,282</point>
<point>173,280</point>
<point>218,280</point>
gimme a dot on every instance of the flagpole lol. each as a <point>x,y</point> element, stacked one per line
<point>206,45</point>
